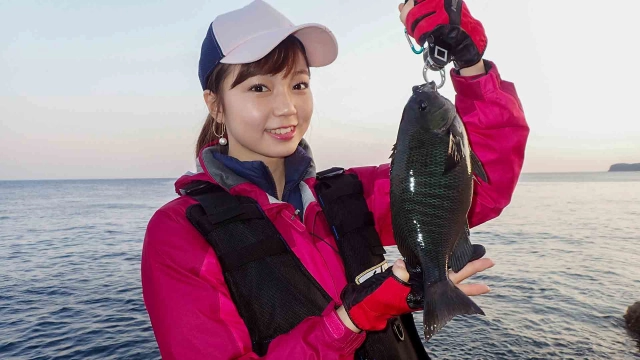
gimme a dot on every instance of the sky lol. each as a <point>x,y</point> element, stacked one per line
<point>94,89</point>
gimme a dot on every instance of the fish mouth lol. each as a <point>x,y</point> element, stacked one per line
<point>430,86</point>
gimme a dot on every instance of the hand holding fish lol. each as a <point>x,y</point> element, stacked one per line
<point>472,268</point>
<point>415,280</point>
<point>369,305</point>
<point>448,24</point>
<point>395,292</point>
<point>469,270</point>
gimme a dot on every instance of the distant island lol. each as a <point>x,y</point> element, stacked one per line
<point>625,167</point>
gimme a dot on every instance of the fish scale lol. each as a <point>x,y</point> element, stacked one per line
<point>431,191</point>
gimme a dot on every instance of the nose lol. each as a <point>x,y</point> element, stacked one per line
<point>284,105</point>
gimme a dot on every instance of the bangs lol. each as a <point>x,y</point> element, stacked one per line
<point>282,59</point>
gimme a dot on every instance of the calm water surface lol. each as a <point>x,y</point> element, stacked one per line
<point>566,253</point>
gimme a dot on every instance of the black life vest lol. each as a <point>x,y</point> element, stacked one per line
<point>272,290</point>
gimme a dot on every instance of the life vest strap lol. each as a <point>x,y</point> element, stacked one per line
<point>222,208</point>
<point>234,213</point>
<point>340,194</point>
<point>262,249</point>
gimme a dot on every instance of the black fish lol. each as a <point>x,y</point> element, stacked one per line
<point>431,189</point>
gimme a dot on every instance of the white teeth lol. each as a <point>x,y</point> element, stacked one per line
<point>281,131</point>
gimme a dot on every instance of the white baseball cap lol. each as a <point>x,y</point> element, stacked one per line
<point>248,34</point>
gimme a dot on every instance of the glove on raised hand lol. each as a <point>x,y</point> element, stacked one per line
<point>371,304</point>
<point>448,25</point>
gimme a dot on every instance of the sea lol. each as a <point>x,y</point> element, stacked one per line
<point>567,255</point>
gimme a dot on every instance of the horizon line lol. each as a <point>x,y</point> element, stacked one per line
<point>174,178</point>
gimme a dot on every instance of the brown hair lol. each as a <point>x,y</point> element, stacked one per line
<point>281,59</point>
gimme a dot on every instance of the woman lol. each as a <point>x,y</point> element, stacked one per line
<point>213,267</point>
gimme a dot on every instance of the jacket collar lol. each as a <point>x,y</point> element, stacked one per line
<point>221,169</point>
<point>257,172</point>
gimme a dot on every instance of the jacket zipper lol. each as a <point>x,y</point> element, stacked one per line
<point>275,190</point>
<point>291,219</point>
<point>273,182</point>
<point>285,191</point>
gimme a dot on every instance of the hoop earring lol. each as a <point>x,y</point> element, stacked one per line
<point>221,139</point>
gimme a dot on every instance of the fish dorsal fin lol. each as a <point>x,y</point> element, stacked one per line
<point>454,155</point>
<point>393,157</point>
<point>477,167</point>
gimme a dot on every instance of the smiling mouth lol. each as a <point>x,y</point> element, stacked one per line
<point>281,131</point>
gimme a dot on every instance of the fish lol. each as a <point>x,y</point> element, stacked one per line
<point>432,173</point>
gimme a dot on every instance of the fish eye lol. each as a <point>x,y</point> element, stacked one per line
<point>423,106</point>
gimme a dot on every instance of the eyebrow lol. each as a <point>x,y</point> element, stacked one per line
<point>301,71</point>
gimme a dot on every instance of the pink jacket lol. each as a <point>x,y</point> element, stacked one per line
<point>191,311</point>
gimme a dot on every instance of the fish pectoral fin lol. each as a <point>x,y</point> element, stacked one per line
<point>477,167</point>
<point>454,155</point>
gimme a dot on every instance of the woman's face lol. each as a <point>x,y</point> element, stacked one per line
<point>266,116</point>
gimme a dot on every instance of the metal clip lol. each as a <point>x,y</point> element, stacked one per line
<point>413,48</point>
<point>428,63</point>
<point>443,76</point>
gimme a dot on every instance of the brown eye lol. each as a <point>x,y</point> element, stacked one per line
<point>258,88</point>
<point>301,86</point>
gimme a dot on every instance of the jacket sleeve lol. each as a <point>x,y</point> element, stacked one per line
<point>193,316</point>
<point>498,133</point>
<point>497,128</point>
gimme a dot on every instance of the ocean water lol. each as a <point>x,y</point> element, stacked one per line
<point>567,253</point>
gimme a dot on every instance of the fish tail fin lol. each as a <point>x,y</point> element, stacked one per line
<point>442,301</point>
